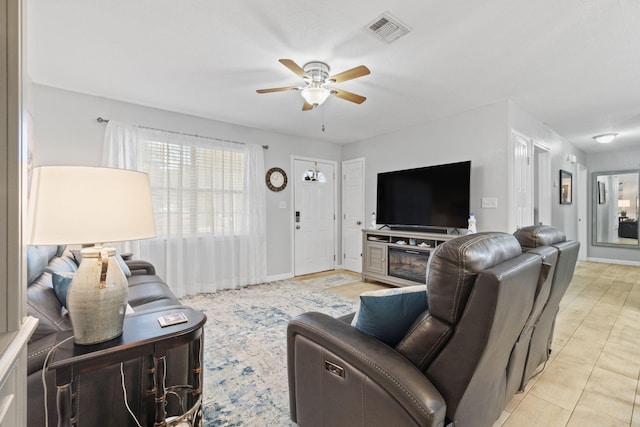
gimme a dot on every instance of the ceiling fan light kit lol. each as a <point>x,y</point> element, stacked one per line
<point>315,95</point>
<point>316,75</point>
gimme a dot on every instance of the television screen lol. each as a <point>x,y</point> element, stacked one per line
<point>433,196</point>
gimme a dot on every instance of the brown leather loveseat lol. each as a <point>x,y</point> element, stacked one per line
<point>455,363</point>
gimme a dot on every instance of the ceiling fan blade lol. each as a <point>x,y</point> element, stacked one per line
<point>348,96</point>
<point>350,74</point>
<point>293,67</point>
<point>277,89</point>
<point>306,106</point>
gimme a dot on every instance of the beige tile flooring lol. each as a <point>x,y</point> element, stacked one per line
<point>592,376</point>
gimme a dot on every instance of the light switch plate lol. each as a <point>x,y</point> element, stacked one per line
<point>490,202</point>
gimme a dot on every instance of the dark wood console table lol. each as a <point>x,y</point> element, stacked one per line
<point>142,337</point>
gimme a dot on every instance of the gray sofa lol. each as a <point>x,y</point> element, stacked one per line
<point>99,394</point>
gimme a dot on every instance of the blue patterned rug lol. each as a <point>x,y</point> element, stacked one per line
<point>245,354</point>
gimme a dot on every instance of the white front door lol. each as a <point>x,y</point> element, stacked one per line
<point>314,216</point>
<point>353,216</point>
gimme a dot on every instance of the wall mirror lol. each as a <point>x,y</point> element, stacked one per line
<point>615,208</point>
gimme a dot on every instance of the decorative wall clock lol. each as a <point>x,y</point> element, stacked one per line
<point>276,179</point>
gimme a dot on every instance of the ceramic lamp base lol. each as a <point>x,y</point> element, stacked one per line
<point>97,297</point>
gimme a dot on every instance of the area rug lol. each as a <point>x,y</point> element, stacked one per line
<point>245,352</point>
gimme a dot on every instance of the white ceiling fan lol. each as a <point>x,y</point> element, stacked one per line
<point>316,76</point>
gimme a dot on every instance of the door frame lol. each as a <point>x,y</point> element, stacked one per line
<point>292,201</point>
<point>543,183</point>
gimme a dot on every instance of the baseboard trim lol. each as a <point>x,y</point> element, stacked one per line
<point>279,277</point>
<point>614,261</point>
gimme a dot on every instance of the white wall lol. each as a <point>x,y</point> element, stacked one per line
<point>478,135</point>
<point>482,136</point>
<point>564,217</point>
<point>65,132</point>
<point>614,160</point>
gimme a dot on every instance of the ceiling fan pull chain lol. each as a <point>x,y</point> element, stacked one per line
<point>322,117</point>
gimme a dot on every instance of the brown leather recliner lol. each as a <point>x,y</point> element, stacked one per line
<point>542,240</point>
<point>452,366</point>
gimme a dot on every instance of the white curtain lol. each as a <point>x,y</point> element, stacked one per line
<point>209,202</point>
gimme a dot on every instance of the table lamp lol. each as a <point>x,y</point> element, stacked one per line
<point>623,204</point>
<point>92,205</point>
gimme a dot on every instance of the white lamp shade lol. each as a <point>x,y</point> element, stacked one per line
<point>77,204</point>
<point>315,95</point>
<point>624,203</point>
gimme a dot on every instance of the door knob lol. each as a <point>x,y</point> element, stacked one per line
<point>297,227</point>
<point>359,223</point>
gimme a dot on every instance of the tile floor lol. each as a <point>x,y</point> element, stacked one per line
<point>592,376</point>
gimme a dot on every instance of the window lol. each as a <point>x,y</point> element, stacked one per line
<point>195,189</point>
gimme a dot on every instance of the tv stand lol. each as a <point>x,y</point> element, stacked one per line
<point>398,257</point>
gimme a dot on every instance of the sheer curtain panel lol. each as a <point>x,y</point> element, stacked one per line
<point>209,205</point>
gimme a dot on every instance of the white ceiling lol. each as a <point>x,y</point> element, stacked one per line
<point>573,64</point>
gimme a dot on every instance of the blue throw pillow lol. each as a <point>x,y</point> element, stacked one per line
<point>389,313</point>
<point>61,282</point>
<point>123,265</point>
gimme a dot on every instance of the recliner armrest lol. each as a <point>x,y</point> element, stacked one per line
<point>380,363</point>
<point>140,267</point>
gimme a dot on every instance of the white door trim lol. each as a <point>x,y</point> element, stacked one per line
<point>292,204</point>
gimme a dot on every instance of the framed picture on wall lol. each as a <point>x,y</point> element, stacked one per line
<point>566,187</point>
<point>602,196</point>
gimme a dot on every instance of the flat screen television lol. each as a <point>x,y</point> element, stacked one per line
<point>427,197</point>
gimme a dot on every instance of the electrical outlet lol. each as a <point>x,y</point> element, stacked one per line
<point>283,204</point>
<point>490,202</point>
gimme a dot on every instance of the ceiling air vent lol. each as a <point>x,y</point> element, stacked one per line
<point>387,28</point>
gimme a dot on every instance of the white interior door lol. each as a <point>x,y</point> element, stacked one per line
<point>521,184</point>
<point>582,200</point>
<point>352,214</point>
<point>314,216</point>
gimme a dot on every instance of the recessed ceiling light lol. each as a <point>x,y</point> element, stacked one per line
<point>605,138</point>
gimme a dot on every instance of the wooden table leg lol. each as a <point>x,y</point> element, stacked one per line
<point>150,408</point>
<point>64,397</point>
<point>196,363</point>
<point>160,368</point>
<point>197,354</point>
